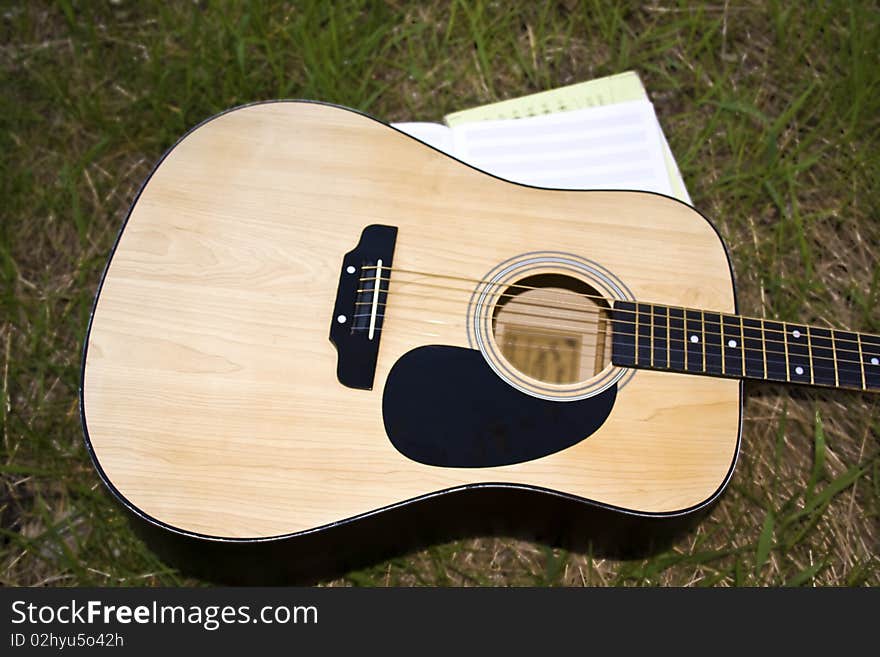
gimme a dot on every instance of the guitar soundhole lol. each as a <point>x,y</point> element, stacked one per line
<point>553,328</point>
<point>542,322</point>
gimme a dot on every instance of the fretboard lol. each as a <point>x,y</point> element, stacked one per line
<point>693,341</point>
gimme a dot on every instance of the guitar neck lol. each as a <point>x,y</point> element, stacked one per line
<point>691,341</point>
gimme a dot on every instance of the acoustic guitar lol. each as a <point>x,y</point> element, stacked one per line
<point>310,318</point>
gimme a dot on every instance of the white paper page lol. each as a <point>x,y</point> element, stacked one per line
<point>679,190</point>
<point>433,134</point>
<point>610,147</point>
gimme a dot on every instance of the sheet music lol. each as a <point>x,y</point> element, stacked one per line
<point>612,89</point>
<point>618,146</point>
<point>610,147</point>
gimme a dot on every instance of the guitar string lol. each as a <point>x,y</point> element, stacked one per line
<point>503,284</point>
<point>576,307</point>
<point>832,372</point>
<point>598,313</point>
<point>593,315</point>
<point>555,331</point>
<point>532,331</point>
<point>597,297</point>
<point>786,361</point>
<point>730,332</point>
<point>524,288</point>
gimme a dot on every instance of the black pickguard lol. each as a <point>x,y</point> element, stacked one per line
<point>445,406</point>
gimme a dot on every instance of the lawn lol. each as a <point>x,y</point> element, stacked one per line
<point>772,110</point>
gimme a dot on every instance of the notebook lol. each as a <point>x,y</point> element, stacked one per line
<point>600,134</point>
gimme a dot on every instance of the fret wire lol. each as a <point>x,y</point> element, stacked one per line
<point>679,364</point>
<point>785,329</point>
<point>668,338</point>
<point>723,344</point>
<point>703,341</point>
<point>834,353</point>
<point>764,346</point>
<point>636,334</point>
<point>787,362</point>
<point>871,360</point>
<point>780,353</point>
<point>810,351</point>
<point>862,361</point>
<point>684,321</point>
<point>821,369</point>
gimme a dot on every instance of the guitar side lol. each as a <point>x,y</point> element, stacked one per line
<point>210,394</point>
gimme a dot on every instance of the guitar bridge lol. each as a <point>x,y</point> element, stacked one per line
<point>359,311</point>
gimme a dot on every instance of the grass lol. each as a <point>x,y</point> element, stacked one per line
<point>771,109</point>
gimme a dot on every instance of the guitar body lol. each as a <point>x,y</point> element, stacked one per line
<point>212,396</point>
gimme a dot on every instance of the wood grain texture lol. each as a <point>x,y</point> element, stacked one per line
<point>210,396</point>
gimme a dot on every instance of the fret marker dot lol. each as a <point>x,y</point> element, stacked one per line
<point>875,361</point>
<point>694,338</point>
<point>350,269</point>
<point>342,319</point>
<point>796,334</point>
<point>731,343</point>
<point>798,370</point>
